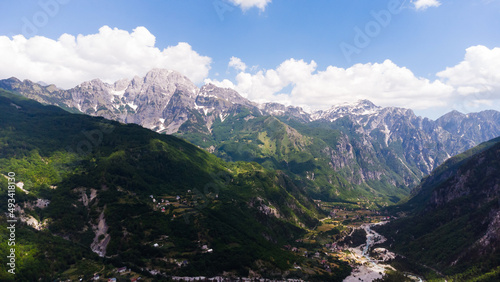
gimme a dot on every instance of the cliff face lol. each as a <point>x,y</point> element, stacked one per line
<point>454,216</point>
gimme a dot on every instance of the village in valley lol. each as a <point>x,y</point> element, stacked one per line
<point>331,241</point>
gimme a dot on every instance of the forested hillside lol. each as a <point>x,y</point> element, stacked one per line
<point>136,198</point>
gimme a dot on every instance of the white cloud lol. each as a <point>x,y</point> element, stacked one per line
<point>478,71</point>
<point>237,64</point>
<point>476,79</point>
<point>247,4</point>
<point>424,4</point>
<point>225,83</point>
<point>385,84</point>
<point>111,54</point>
<point>471,85</point>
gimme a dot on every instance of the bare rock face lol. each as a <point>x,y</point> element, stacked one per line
<point>276,109</point>
<point>479,179</point>
<point>214,103</point>
<point>102,238</point>
<point>400,139</point>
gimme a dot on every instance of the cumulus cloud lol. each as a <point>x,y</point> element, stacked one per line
<point>237,64</point>
<point>111,54</point>
<point>424,4</point>
<point>478,70</point>
<point>385,84</point>
<point>247,4</point>
<point>476,79</point>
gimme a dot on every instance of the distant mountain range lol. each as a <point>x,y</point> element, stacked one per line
<point>355,152</point>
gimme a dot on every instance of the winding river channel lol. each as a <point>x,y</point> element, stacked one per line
<point>368,268</point>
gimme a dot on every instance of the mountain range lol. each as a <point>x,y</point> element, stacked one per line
<point>95,194</point>
<point>356,152</point>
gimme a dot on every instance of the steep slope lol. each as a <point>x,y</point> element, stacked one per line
<point>151,202</point>
<point>392,147</point>
<point>425,143</point>
<point>454,218</point>
<point>328,170</point>
<point>358,153</point>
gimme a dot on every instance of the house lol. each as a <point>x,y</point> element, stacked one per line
<point>122,269</point>
<point>112,280</point>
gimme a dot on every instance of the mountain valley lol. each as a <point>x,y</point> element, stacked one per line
<point>168,180</point>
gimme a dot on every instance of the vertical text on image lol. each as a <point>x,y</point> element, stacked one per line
<point>11,222</point>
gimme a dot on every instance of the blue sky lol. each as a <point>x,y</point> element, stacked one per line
<point>284,50</point>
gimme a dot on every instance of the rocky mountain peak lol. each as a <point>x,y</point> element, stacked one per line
<point>12,80</point>
<point>160,76</point>
<point>121,84</point>
<point>366,103</point>
<point>158,86</point>
<point>361,107</point>
<point>272,107</point>
<point>94,84</point>
<point>452,115</point>
<point>164,76</point>
<point>212,91</point>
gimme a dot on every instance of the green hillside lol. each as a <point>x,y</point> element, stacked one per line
<point>307,153</point>
<point>142,200</point>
